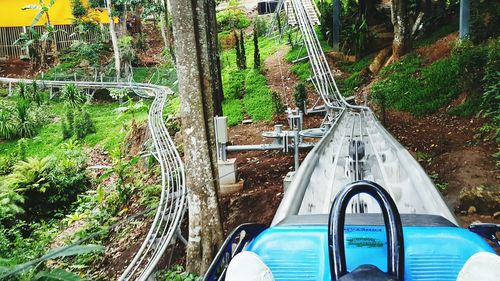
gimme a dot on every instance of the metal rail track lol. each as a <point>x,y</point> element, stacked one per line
<point>172,205</point>
<point>331,164</point>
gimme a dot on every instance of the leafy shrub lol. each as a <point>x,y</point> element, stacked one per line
<point>232,18</point>
<point>10,204</point>
<point>261,26</point>
<point>471,61</point>
<point>83,124</point>
<point>49,183</point>
<point>277,103</point>
<point>234,85</point>
<point>22,89</point>
<point>36,94</point>
<point>7,123</point>
<point>484,21</point>
<point>491,82</point>
<point>300,96</point>
<point>73,96</point>
<point>26,126</point>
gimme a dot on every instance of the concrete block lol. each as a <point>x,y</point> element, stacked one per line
<point>226,189</point>
<point>288,180</point>
<point>227,171</point>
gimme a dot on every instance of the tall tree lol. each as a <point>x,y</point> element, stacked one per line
<point>242,49</point>
<point>196,60</point>
<point>401,43</point>
<point>238,50</point>
<point>114,38</point>
<point>256,51</point>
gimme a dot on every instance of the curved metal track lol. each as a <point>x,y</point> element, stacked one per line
<point>335,161</point>
<point>172,203</point>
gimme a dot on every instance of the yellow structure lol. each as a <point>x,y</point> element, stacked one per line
<point>12,15</point>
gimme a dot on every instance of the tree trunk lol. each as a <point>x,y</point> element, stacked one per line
<point>197,83</point>
<point>163,25</point>
<point>114,40</point>
<point>401,43</point>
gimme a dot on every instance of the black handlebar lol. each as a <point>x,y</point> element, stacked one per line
<point>392,220</point>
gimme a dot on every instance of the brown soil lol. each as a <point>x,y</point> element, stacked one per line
<point>439,49</point>
<point>280,77</point>
<point>452,151</point>
<point>152,55</point>
<point>16,68</point>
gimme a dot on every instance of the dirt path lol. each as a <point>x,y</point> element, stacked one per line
<point>279,75</point>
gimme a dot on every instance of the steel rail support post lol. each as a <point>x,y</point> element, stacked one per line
<point>464,18</point>
<point>336,25</point>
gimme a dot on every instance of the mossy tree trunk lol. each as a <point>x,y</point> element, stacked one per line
<point>196,61</point>
<point>401,43</point>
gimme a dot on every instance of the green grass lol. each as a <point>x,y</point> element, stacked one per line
<point>356,78</point>
<point>408,87</point>
<point>109,133</point>
<point>302,70</point>
<point>246,92</point>
<point>469,108</point>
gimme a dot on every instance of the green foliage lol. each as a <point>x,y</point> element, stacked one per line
<point>469,108</point>
<point>10,205</point>
<point>36,95</point>
<point>177,274</point>
<point>243,58</point>
<point>258,100</point>
<point>78,9</point>
<point>232,18</point>
<point>234,111</point>
<point>84,124</point>
<point>26,126</point>
<point>91,52</point>
<point>7,123</point>
<point>261,26</point>
<point>16,247</point>
<point>491,82</point>
<point>303,70</point>
<point>277,103</point>
<point>22,89</point>
<point>256,52</point>
<point>73,96</point>
<point>57,275</point>
<point>484,20</point>
<point>300,96</point>
<point>234,85</point>
<point>351,83</point>
<point>472,61</point>
<point>48,183</point>
<point>122,168</point>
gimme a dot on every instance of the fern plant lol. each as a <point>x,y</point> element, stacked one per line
<point>29,175</point>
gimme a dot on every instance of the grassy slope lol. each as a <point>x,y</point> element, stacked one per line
<point>109,133</point>
<point>254,98</point>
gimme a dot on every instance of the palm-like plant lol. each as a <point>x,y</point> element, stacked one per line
<point>73,96</point>
<point>43,10</point>
<point>7,123</point>
<point>26,127</point>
